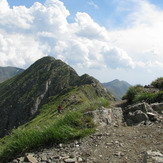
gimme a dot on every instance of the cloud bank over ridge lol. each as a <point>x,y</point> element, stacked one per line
<point>27,34</point>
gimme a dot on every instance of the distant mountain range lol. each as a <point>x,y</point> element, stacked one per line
<point>8,72</point>
<point>117,88</point>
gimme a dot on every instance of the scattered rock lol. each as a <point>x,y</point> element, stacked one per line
<point>153,157</point>
<point>70,160</point>
<point>30,158</point>
<point>60,145</point>
<point>142,113</point>
<point>152,116</point>
<point>118,154</point>
<point>43,157</point>
<point>158,107</point>
<point>21,159</point>
<point>80,159</point>
<point>15,161</point>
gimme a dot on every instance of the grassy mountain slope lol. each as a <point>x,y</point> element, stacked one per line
<point>48,127</point>
<point>150,94</point>
<point>8,72</point>
<point>30,99</point>
<point>117,88</point>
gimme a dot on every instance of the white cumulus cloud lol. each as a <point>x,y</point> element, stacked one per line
<point>43,30</point>
<point>27,34</point>
<point>143,37</point>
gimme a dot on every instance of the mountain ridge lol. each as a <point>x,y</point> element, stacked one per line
<point>86,110</point>
<point>23,95</point>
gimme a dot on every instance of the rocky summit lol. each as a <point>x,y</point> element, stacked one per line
<point>22,96</point>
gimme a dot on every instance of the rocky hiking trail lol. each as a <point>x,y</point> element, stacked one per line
<point>113,142</point>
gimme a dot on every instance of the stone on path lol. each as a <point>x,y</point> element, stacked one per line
<point>30,158</point>
<point>153,157</point>
<point>70,160</point>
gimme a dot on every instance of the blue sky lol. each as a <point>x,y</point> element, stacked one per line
<point>108,39</point>
<point>100,11</point>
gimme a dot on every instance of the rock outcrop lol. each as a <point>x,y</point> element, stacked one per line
<point>107,116</point>
<point>22,96</point>
<point>142,113</point>
<point>153,156</point>
<point>158,107</point>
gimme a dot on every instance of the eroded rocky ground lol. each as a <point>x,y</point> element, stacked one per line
<point>113,142</point>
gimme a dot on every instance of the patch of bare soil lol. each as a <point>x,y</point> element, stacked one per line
<point>122,144</point>
<point>113,142</point>
<point>108,145</point>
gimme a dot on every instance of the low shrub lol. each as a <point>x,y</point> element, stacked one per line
<point>158,83</point>
<point>132,93</point>
<point>149,97</point>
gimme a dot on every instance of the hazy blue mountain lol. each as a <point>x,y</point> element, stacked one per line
<point>117,88</point>
<point>8,72</point>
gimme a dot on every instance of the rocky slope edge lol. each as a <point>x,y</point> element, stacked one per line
<point>22,96</point>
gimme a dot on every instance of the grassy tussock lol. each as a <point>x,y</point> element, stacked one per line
<point>50,128</point>
<point>132,93</point>
<point>139,94</point>
<point>67,127</point>
<point>149,97</point>
<point>158,83</point>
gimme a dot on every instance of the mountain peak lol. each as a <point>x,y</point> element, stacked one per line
<point>22,96</point>
<point>46,59</point>
<point>117,88</point>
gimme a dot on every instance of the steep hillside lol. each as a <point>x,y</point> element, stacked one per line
<point>117,88</point>
<point>8,72</point>
<point>47,80</point>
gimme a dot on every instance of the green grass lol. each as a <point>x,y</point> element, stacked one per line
<point>132,92</point>
<point>48,127</point>
<point>158,83</point>
<point>70,126</point>
<point>139,94</point>
<point>149,97</point>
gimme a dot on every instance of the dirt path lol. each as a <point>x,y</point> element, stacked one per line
<point>108,145</point>
<point>118,103</point>
<point>112,143</point>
